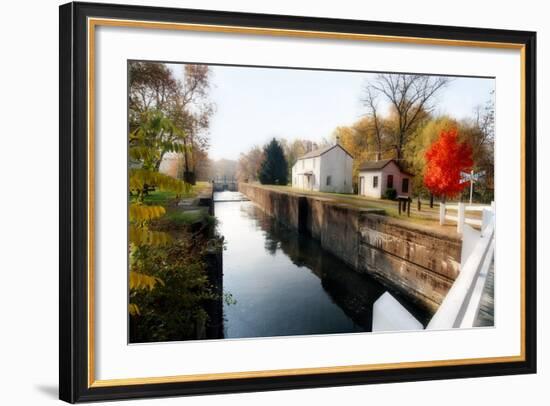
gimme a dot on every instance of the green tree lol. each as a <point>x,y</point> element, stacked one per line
<point>174,310</point>
<point>274,169</point>
<point>154,135</point>
<point>169,287</point>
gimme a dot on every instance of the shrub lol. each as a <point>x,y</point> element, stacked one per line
<point>390,193</point>
<point>174,310</point>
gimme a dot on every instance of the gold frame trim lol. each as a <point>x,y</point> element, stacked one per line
<point>94,22</point>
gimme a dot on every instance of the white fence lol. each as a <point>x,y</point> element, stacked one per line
<point>461,305</point>
<point>461,210</point>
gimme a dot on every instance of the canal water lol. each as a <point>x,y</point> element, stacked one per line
<point>279,283</point>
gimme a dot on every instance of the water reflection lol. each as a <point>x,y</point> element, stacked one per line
<point>284,283</point>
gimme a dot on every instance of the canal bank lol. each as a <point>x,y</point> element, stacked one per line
<point>283,283</point>
<point>419,262</point>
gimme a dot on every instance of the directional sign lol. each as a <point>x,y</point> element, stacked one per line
<point>472,178</point>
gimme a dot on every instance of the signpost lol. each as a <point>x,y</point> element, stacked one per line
<point>472,178</point>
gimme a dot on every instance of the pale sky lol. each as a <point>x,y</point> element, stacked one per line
<point>254,105</point>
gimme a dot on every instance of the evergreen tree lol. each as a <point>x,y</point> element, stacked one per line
<point>274,169</point>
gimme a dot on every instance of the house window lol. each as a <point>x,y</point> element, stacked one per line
<point>375,182</point>
<point>328,180</point>
<point>405,185</point>
<point>389,184</point>
<point>314,162</point>
<point>303,163</point>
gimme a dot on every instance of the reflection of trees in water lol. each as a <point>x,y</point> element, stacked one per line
<point>271,244</point>
<point>354,293</point>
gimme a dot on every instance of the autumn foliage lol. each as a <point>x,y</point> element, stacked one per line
<point>445,159</point>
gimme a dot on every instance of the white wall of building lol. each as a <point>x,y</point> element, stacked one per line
<point>378,192</point>
<point>366,184</point>
<point>302,166</point>
<point>334,163</point>
<point>337,164</point>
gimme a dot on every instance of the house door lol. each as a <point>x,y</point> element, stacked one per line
<point>309,182</point>
<point>361,185</point>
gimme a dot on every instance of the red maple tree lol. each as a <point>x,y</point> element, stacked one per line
<point>446,158</point>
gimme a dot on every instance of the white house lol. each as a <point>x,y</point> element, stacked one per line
<point>327,169</point>
<point>375,177</point>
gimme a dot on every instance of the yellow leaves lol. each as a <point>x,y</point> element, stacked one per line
<point>142,153</point>
<point>141,177</point>
<point>133,309</point>
<point>140,280</point>
<point>155,136</point>
<point>141,236</point>
<point>177,147</point>
<point>141,212</point>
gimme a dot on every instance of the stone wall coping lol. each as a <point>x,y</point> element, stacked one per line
<point>450,234</point>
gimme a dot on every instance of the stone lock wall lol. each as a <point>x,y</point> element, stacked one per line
<point>420,263</point>
<point>335,226</point>
<point>283,206</point>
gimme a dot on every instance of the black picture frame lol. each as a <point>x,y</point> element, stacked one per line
<point>73,256</point>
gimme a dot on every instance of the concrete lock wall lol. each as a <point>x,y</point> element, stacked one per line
<point>418,262</point>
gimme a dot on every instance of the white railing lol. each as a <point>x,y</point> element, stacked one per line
<point>460,218</point>
<point>461,305</point>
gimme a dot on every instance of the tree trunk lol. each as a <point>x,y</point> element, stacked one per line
<point>189,177</point>
<point>185,157</point>
<point>431,200</point>
<point>157,164</point>
<point>398,154</point>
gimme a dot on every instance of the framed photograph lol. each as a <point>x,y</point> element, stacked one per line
<point>256,202</point>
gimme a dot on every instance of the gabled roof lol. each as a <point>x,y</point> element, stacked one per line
<point>381,164</point>
<point>322,151</point>
<point>375,165</point>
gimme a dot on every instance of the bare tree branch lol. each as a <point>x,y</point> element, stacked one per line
<point>410,97</point>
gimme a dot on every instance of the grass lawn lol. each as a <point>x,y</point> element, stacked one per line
<point>427,216</point>
<point>185,218</point>
<point>176,216</point>
<point>158,197</point>
<point>165,198</point>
